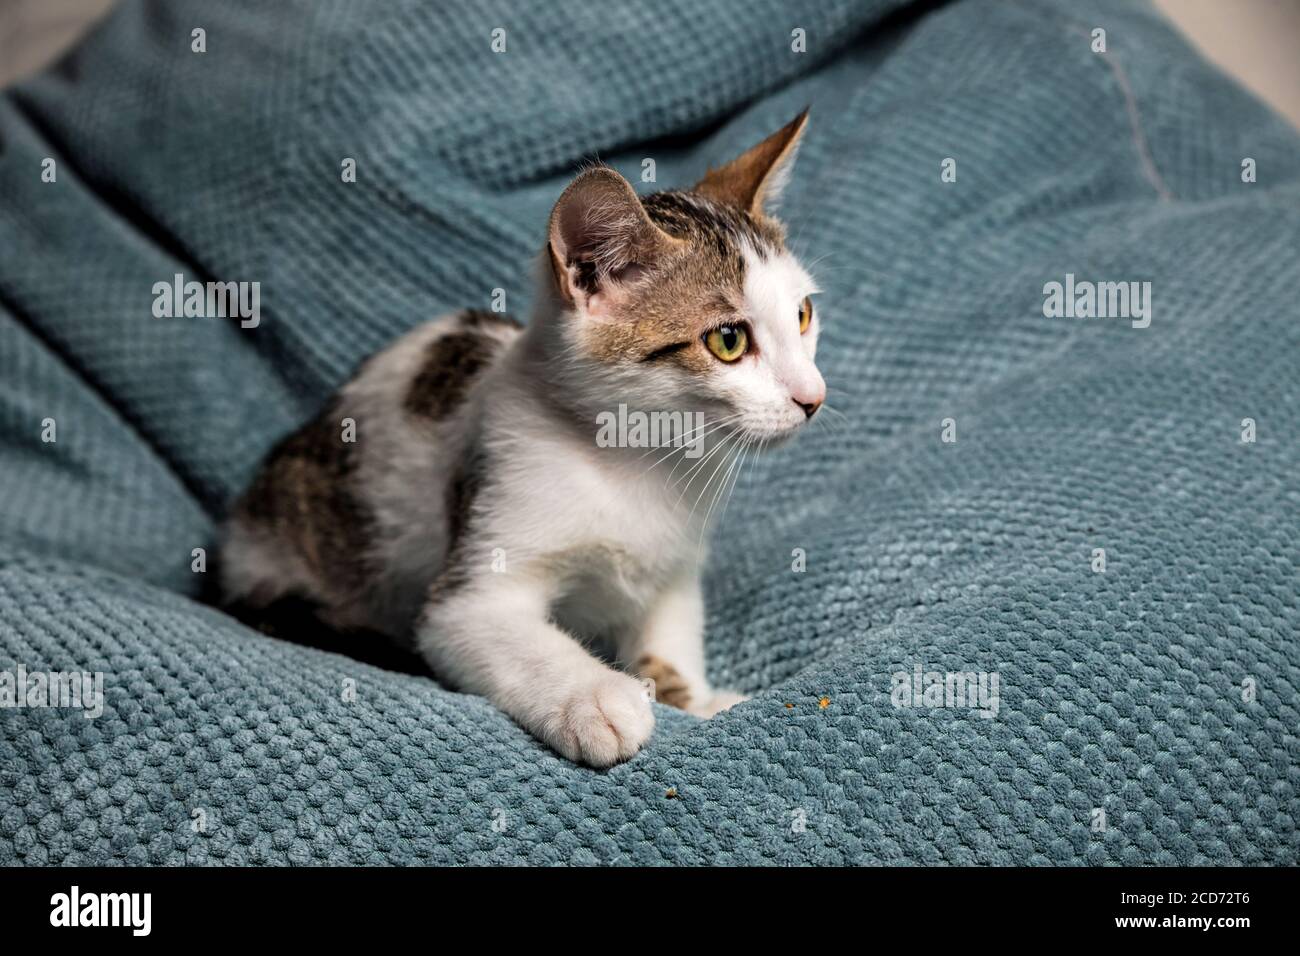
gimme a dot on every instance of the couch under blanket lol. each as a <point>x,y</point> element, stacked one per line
<point>1078,506</point>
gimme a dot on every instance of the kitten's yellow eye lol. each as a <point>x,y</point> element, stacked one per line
<point>805,314</point>
<point>727,342</point>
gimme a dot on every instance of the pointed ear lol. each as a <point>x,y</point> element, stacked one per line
<point>600,237</point>
<point>756,177</point>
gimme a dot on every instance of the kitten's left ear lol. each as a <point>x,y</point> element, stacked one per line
<point>600,237</point>
<point>755,178</point>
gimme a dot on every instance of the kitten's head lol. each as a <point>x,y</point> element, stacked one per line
<point>689,299</point>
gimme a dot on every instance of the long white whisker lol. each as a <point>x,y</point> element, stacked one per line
<point>841,421</point>
<point>744,455</point>
<point>716,468</point>
<point>673,473</point>
<point>681,448</point>
<point>685,480</point>
<point>684,438</point>
<point>704,525</point>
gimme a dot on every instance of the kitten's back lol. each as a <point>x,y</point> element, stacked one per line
<point>354,512</point>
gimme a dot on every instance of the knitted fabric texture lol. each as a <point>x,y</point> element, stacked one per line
<point>1147,713</point>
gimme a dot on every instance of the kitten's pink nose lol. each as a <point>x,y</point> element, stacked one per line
<point>809,395</point>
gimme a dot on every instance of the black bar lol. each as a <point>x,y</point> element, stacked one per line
<point>334,904</point>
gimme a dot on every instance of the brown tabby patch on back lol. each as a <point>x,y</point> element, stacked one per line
<point>453,360</point>
<point>666,314</point>
<point>304,494</point>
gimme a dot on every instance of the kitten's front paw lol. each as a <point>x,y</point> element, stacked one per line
<point>605,722</point>
<point>717,702</point>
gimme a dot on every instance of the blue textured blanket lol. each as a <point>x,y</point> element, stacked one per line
<point>1099,513</point>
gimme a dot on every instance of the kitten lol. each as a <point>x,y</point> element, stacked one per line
<point>475,512</point>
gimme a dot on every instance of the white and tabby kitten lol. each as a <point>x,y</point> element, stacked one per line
<point>475,512</point>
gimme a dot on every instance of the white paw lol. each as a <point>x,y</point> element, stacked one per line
<point>719,700</point>
<point>604,722</point>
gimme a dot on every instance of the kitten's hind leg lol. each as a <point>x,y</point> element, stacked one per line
<point>670,651</point>
<point>493,638</point>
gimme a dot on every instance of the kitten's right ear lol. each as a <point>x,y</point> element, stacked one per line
<point>600,238</point>
<point>755,178</point>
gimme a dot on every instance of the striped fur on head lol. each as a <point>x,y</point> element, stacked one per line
<point>656,273</point>
<point>642,282</point>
